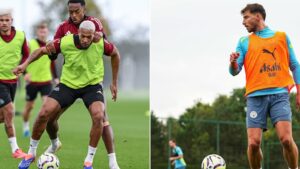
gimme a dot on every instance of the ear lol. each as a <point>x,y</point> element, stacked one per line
<point>258,16</point>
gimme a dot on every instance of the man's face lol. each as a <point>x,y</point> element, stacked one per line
<point>250,21</point>
<point>76,12</point>
<point>86,37</point>
<point>171,144</point>
<point>5,22</point>
<point>42,31</point>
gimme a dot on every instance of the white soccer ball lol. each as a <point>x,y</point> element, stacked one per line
<point>48,161</point>
<point>213,161</point>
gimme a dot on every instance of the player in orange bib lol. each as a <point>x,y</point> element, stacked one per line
<point>267,57</point>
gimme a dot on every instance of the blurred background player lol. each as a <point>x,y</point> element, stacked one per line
<point>77,15</point>
<point>38,75</point>
<point>176,155</point>
<point>81,78</point>
<point>13,51</point>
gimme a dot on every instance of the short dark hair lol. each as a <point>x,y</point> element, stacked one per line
<point>173,140</point>
<point>255,8</point>
<point>82,2</point>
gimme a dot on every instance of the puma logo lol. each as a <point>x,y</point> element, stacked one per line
<point>271,53</point>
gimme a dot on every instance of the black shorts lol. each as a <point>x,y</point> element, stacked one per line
<point>66,96</point>
<point>7,93</point>
<point>32,90</point>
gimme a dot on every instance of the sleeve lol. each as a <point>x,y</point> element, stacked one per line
<point>54,47</point>
<point>25,51</point>
<point>294,64</point>
<point>98,25</point>
<point>59,32</point>
<point>53,69</point>
<point>241,48</point>
<point>179,151</point>
<point>58,35</point>
<point>108,47</point>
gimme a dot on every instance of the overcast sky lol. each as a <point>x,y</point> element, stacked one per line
<point>190,45</point>
<point>120,13</point>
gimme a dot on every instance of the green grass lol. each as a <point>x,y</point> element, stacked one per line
<point>127,117</point>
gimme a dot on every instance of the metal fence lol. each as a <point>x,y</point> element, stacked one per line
<point>231,146</point>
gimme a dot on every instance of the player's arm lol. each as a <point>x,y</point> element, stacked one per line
<point>35,55</point>
<point>99,33</point>
<point>295,68</point>
<point>25,51</point>
<point>179,154</point>
<point>58,35</point>
<point>237,58</point>
<point>112,51</point>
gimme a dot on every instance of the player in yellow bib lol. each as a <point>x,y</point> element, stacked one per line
<point>13,49</point>
<point>82,75</point>
<point>38,75</point>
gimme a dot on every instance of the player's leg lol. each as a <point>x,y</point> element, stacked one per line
<point>108,139</point>
<point>49,107</point>
<point>254,151</point>
<point>281,117</point>
<point>52,130</point>
<point>290,150</point>
<point>26,115</point>
<point>57,99</point>
<point>7,92</point>
<point>257,108</point>
<point>66,99</point>
<point>93,99</point>
<point>31,94</point>
<point>1,116</point>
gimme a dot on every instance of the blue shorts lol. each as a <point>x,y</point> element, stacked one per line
<point>276,106</point>
<point>183,167</point>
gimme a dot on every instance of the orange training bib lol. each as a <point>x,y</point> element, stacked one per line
<point>267,63</point>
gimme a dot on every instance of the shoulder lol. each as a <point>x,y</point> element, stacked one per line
<point>96,21</point>
<point>244,39</point>
<point>20,32</point>
<point>178,148</point>
<point>62,25</point>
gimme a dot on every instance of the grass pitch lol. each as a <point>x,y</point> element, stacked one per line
<point>128,117</point>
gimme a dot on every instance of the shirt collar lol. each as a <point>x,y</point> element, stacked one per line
<point>266,29</point>
<point>71,22</point>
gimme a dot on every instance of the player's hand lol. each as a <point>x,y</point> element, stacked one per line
<point>172,159</point>
<point>234,56</point>
<point>19,69</point>
<point>27,77</point>
<point>298,100</point>
<point>56,81</point>
<point>114,91</point>
<point>97,36</point>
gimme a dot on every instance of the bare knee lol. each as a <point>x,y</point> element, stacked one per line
<point>286,142</point>
<point>29,107</point>
<point>44,114</point>
<point>254,144</point>
<point>98,117</point>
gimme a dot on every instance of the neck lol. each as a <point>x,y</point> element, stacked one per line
<point>7,33</point>
<point>260,27</point>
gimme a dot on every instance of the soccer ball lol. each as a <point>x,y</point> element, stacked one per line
<point>213,161</point>
<point>48,161</point>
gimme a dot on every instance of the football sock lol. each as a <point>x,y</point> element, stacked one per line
<point>13,144</point>
<point>33,146</point>
<point>112,159</point>
<point>90,155</point>
<point>54,143</point>
<point>26,126</point>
